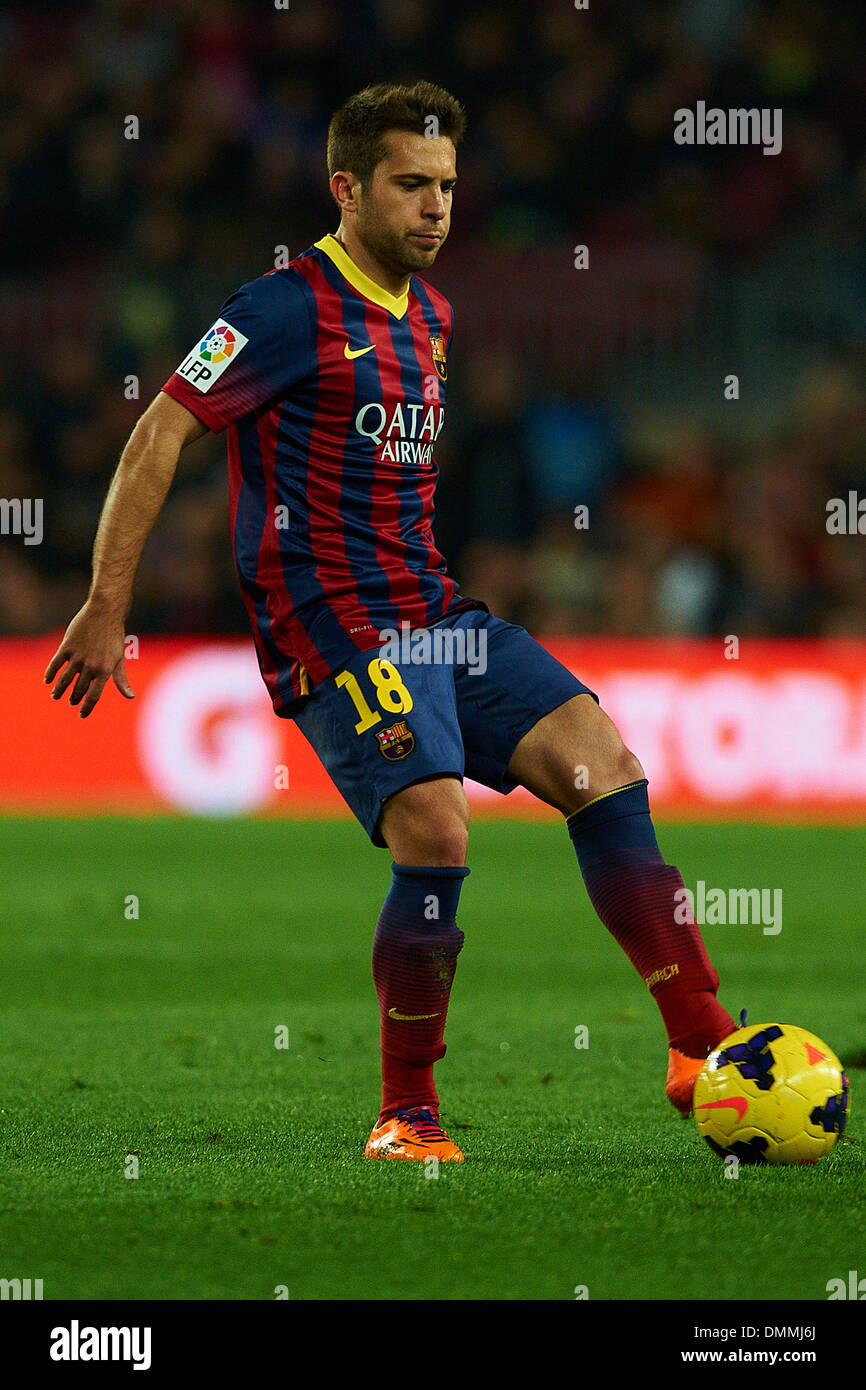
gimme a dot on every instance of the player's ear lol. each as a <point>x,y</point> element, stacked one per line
<point>344,187</point>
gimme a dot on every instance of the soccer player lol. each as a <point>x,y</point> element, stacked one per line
<point>329,376</point>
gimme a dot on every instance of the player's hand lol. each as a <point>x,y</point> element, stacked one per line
<point>91,650</point>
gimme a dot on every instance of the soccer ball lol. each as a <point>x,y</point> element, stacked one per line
<point>771,1093</point>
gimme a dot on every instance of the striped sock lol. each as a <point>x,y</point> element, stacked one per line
<point>632,889</point>
<point>415,953</point>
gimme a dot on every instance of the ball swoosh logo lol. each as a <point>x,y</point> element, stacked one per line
<point>409,1018</point>
<point>738,1103</point>
<point>352,353</point>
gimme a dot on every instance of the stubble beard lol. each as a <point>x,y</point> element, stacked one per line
<point>390,249</point>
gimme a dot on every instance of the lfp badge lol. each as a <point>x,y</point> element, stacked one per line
<point>219,343</point>
<point>437,348</point>
<point>209,359</point>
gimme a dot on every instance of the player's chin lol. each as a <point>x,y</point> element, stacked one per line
<point>423,252</point>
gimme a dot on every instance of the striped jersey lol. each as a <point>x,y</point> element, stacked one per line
<point>332,395</point>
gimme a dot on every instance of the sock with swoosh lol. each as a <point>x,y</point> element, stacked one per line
<point>641,900</point>
<point>415,953</point>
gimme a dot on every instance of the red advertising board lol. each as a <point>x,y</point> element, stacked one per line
<point>773,730</point>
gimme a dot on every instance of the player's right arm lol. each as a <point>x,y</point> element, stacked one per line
<point>92,646</point>
<point>261,344</point>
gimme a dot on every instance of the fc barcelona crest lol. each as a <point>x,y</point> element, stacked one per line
<point>396,742</point>
<point>437,348</point>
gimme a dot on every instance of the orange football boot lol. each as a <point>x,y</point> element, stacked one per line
<point>682,1074</point>
<point>412,1134</point>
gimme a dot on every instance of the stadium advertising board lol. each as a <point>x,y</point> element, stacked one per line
<point>780,731</point>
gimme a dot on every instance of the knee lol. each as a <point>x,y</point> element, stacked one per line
<point>445,842</point>
<point>428,824</point>
<point>625,767</point>
<point>614,766</point>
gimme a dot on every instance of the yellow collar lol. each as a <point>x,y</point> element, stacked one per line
<point>396,304</point>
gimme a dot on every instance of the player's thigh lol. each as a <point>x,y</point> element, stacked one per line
<point>512,685</point>
<point>380,727</point>
<point>572,755</point>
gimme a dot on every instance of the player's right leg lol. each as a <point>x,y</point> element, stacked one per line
<point>402,776</point>
<point>427,823</point>
<point>415,950</point>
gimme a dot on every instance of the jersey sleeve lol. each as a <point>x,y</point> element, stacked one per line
<point>257,349</point>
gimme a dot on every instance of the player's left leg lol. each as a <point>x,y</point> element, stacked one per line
<point>574,759</point>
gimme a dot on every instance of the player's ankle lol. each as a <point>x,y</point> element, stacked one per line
<point>704,1023</point>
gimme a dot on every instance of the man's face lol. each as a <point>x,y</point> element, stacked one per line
<point>404,214</point>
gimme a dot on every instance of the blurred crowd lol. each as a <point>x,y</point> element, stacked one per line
<point>120,237</point>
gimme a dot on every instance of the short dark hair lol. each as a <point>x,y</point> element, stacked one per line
<point>355,134</point>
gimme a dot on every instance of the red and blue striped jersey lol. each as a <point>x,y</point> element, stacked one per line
<point>332,393</point>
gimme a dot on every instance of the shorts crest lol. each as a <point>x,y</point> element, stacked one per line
<point>396,742</point>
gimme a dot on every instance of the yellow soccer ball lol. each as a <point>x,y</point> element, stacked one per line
<point>772,1093</point>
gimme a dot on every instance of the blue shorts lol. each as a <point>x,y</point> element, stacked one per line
<point>449,700</point>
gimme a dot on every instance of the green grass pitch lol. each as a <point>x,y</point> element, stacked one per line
<point>153,1039</point>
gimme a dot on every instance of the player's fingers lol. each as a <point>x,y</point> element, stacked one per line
<point>121,681</point>
<point>89,694</point>
<point>90,675</point>
<point>82,685</point>
<point>73,669</point>
<point>54,665</point>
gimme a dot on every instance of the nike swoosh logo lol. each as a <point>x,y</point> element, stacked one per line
<point>351,353</point>
<point>738,1103</point>
<point>409,1018</point>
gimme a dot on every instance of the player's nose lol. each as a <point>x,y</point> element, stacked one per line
<point>434,206</point>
